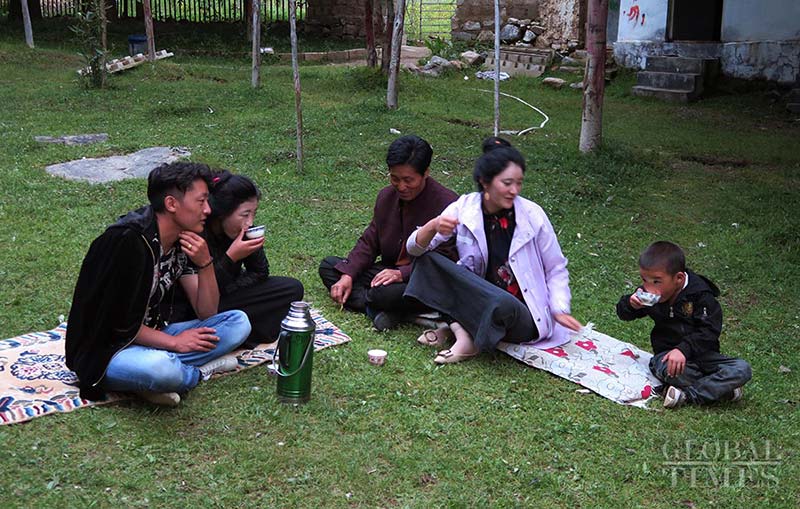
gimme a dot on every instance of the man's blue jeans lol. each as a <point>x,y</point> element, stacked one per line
<point>707,378</point>
<point>142,368</point>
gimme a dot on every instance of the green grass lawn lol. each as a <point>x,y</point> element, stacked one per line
<point>721,177</point>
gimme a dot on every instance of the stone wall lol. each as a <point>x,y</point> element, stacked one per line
<point>538,23</point>
<point>338,18</point>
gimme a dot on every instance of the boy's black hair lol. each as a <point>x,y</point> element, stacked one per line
<point>174,179</point>
<point>411,150</point>
<point>497,154</point>
<point>228,191</point>
<point>663,255</point>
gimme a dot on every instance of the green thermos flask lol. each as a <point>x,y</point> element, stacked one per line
<point>295,354</point>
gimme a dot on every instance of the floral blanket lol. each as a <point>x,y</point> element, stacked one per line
<point>613,369</point>
<point>34,380</point>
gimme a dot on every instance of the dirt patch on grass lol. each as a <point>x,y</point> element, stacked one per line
<point>716,161</point>
<point>469,123</point>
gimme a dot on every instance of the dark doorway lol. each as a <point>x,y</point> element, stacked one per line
<point>695,20</point>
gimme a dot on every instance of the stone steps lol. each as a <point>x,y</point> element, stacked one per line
<point>670,80</point>
<point>793,101</point>
<point>678,64</point>
<point>679,79</point>
<point>664,94</point>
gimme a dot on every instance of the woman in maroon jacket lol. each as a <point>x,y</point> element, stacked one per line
<point>361,283</point>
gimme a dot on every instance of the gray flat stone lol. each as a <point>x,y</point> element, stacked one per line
<point>77,139</point>
<point>114,168</point>
<point>554,82</point>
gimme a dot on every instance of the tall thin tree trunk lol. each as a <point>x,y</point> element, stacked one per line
<point>148,28</point>
<point>394,63</point>
<point>369,30</point>
<point>298,107</point>
<point>248,18</point>
<point>594,80</point>
<point>26,20</point>
<point>496,67</point>
<point>386,51</point>
<point>101,6</point>
<point>255,29</point>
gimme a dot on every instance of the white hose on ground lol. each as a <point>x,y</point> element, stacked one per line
<point>524,131</point>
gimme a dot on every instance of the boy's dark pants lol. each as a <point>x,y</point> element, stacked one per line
<point>706,378</point>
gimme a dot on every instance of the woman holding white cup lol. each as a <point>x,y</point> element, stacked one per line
<point>240,263</point>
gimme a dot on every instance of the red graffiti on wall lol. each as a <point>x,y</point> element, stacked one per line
<point>635,15</point>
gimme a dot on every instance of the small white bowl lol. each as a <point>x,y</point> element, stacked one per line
<point>256,232</point>
<point>377,357</point>
<point>647,298</point>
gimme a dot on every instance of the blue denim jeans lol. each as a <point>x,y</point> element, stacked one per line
<point>142,368</point>
<point>706,378</point>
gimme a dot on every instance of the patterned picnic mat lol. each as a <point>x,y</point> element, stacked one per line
<point>34,381</point>
<point>613,369</point>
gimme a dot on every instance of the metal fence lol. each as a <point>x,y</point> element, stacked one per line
<point>429,18</point>
<point>179,10</point>
<point>210,10</point>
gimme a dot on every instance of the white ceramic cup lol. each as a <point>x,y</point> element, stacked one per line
<point>377,357</point>
<point>256,232</point>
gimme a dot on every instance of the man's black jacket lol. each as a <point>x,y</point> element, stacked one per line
<point>111,297</point>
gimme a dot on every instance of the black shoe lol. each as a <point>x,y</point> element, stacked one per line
<point>386,320</point>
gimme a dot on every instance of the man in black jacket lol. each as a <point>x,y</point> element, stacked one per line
<point>117,338</point>
<point>685,336</point>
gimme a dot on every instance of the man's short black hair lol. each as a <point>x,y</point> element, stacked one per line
<point>411,150</point>
<point>663,255</point>
<point>175,179</point>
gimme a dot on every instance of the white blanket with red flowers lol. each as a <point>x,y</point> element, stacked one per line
<point>613,369</point>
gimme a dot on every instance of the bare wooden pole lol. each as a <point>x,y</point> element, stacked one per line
<point>594,80</point>
<point>255,29</point>
<point>26,21</point>
<point>248,17</point>
<point>386,50</point>
<point>496,67</point>
<point>394,63</point>
<point>298,107</point>
<point>148,28</point>
<point>369,30</point>
<point>101,6</point>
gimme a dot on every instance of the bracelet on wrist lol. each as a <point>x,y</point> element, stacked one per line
<point>206,265</point>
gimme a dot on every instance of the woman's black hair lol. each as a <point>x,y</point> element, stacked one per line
<point>492,142</point>
<point>497,154</point>
<point>411,150</point>
<point>228,191</point>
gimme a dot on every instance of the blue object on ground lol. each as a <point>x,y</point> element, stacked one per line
<point>137,43</point>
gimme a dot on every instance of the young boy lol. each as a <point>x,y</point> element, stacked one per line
<point>685,337</point>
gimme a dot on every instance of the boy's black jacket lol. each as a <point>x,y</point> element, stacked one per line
<point>692,324</point>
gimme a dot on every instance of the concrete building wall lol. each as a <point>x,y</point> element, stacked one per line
<point>760,39</point>
<point>764,20</point>
<point>642,20</point>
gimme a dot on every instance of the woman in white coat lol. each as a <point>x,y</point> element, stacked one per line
<point>511,281</point>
